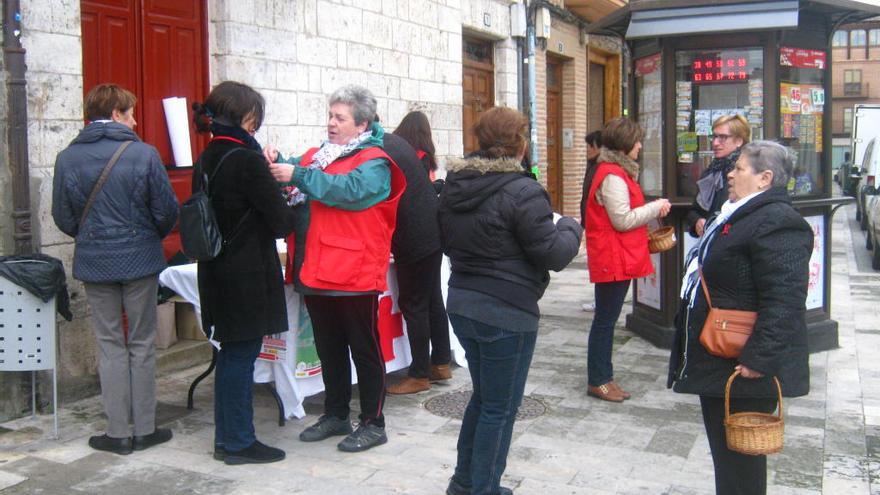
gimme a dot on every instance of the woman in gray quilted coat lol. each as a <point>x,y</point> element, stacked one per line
<point>118,256</point>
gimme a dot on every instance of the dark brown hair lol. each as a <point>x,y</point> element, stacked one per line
<point>104,98</point>
<point>416,130</point>
<point>501,132</point>
<point>229,103</point>
<point>594,139</point>
<point>621,134</point>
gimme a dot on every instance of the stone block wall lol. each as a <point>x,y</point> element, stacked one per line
<point>51,38</point>
<point>408,53</point>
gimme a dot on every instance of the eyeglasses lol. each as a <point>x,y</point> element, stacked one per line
<point>721,137</point>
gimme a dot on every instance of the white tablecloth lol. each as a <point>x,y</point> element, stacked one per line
<point>292,389</point>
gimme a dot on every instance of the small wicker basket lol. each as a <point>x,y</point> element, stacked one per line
<point>753,433</point>
<point>662,239</point>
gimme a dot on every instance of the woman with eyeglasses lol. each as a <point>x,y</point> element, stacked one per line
<point>729,134</point>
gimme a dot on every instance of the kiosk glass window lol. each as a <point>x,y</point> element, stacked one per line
<point>801,105</point>
<point>649,89</point>
<point>710,84</point>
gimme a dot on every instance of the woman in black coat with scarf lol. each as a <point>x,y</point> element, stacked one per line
<point>754,256</point>
<point>241,291</point>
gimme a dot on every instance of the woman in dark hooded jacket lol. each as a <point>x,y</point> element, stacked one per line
<point>499,232</point>
<point>754,256</point>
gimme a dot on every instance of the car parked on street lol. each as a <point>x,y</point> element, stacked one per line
<point>870,170</point>
<point>872,236</point>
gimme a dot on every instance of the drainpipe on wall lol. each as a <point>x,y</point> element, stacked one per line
<point>16,119</point>
<point>533,100</point>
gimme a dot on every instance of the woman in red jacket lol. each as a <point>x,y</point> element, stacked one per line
<point>617,244</point>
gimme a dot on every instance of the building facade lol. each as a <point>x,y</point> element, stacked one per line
<point>855,69</point>
<point>451,59</point>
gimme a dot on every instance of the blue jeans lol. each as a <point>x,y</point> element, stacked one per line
<point>609,302</point>
<point>233,395</point>
<point>498,361</point>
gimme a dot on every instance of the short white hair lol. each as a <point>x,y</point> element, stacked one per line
<point>360,99</point>
<point>768,155</point>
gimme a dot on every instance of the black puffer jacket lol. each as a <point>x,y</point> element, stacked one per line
<point>122,237</point>
<point>497,227</point>
<point>241,291</point>
<point>417,234</point>
<point>757,262</point>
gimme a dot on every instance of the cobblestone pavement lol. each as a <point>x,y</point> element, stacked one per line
<point>652,444</point>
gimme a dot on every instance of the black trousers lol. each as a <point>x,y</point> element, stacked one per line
<point>341,323</point>
<point>421,301</point>
<point>735,473</point>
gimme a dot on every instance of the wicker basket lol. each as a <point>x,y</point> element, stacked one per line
<point>662,239</point>
<point>753,433</point>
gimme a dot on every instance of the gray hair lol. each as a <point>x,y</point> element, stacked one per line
<point>767,155</point>
<point>360,99</point>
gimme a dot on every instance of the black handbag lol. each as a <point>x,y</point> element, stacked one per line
<point>200,236</point>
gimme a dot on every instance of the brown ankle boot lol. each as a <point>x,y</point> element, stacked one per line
<point>439,372</point>
<point>409,385</point>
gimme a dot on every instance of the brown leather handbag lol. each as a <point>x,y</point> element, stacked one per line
<point>725,331</point>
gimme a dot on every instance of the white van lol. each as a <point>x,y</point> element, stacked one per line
<point>870,171</point>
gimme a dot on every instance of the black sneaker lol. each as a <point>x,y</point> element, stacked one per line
<point>219,452</point>
<point>141,442</point>
<point>326,427</point>
<point>365,437</point>
<point>257,453</point>
<point>121,446</point>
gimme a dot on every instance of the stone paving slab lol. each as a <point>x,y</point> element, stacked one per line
<point>652,444</point>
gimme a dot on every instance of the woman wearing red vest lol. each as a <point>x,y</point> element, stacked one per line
<point>617,244</point>
<point>348,189</point>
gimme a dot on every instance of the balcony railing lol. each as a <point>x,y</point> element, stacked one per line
<point>852,90</point>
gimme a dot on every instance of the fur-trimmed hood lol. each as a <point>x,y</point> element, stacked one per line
<point>630,166</point>
<point>484,165</point>
<point>474,179</point>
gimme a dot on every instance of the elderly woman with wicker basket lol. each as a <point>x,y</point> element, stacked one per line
<point>752,260</point>
<point>617,244</point>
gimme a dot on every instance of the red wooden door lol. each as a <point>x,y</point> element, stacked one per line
<point>174,65</point>
<point>153,48</point>
<point>111,46</point>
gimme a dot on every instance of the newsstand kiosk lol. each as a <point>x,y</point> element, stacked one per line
<point>693,61</point>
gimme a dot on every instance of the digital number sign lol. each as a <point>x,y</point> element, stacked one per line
<point>720,70</point>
